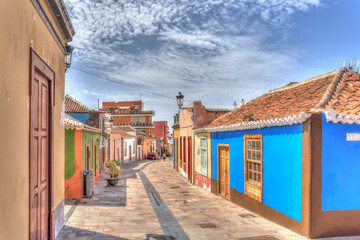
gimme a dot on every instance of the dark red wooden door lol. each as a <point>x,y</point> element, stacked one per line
<point>129,153</point>
<point>87,157</point>
<point>184,154</point>
<point>189,158</point>
<point>39,157</point>
<point>181,153</point>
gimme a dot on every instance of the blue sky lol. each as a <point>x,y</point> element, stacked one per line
<point>216,51</point>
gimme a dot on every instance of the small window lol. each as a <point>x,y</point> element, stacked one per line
<point>203,155</point>
<point>253,166</point>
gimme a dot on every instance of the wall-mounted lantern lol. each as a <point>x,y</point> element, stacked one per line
<point>180,102</point>
<point>69,50</point>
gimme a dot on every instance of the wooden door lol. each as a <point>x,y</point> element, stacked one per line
<point>39,157</point>
<point>181,153</point>
<point>130,153</point>
<point>184,154</point>
<point>189,159</point>
<point>87,157</point>
<point>122,150</point>
<point>224,171</point>
<point>95,159</point>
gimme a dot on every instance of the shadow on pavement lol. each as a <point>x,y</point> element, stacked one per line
<point>77,233</point>
<point>109,196</point>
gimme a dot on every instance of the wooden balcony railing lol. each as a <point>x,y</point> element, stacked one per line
<point>134,124</point>
<point>150,112</point>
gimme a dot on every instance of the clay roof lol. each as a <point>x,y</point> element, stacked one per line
<point>338,90</point>
<point>127,128</point>
<point>74,106</point>
<point>121,130</point>
<point>346,97</point>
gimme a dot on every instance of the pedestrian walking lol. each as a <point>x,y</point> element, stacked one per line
<point>164,156</point>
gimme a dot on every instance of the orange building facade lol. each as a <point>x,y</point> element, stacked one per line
<point>160,130</point>
<point>131,113</point>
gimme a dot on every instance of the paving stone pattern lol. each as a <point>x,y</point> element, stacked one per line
<point>127,211</point>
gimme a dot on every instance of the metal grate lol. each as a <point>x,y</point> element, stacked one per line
<point>207,225</point>
<point>265,237</point>
<point>246,215</point>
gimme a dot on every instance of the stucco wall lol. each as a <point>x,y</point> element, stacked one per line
<point>340,167</point>
<point>20,23</point>
<point>186,123</point>
<point>73,164</point>
<point>87,136</point>
<point>69,153</point>
<point>129,156</point>
<point>282,165</point>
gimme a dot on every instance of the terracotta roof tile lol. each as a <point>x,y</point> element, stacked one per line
<point>346,99</point>
<point>318,94</point>
<point>74,106</point>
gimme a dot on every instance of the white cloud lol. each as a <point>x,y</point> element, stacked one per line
<point>213,50</point>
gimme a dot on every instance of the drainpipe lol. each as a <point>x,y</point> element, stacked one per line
<point>193,143</point>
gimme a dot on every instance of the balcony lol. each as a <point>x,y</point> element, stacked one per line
<point>136,125</point>
<point>131,113</point>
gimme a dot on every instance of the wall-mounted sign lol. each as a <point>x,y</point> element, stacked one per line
<point>353,137</point>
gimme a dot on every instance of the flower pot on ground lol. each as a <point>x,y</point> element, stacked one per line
<point>114,173</point>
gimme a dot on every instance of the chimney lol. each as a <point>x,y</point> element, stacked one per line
<point>242,102</point>
<point>234,105</point>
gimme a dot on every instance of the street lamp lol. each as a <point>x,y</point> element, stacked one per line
<point>180,102</point>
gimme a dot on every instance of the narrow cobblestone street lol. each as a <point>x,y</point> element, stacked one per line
<point>175,210</point>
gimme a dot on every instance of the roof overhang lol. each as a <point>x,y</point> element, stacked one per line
<point>291,120</point>
<point>62,18</point>
<point>333,116</point>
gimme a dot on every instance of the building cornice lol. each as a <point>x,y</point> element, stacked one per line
<point>62,18</point>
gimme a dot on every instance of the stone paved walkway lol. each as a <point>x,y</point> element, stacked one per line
<point>127,211</point>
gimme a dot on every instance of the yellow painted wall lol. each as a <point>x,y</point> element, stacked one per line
<point>19,24</point>
<point>197,152</point>
<point>186,123</point>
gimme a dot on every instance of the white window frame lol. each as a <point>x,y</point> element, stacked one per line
<point>203,161</point>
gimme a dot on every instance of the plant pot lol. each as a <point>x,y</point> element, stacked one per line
<point>113,181</point>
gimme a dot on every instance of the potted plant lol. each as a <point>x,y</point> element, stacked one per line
<point>114,173</point>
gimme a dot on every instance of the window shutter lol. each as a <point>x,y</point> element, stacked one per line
<point>203,155</point>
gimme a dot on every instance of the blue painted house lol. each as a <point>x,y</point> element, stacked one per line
<point>77,110</point>
<point>292,155</point>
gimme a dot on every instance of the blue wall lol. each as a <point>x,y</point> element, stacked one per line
<point>282,165</point>
<point>82,117</point>
<point>340,167</point>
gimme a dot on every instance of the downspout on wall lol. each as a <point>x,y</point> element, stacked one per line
<point>193,143</point>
